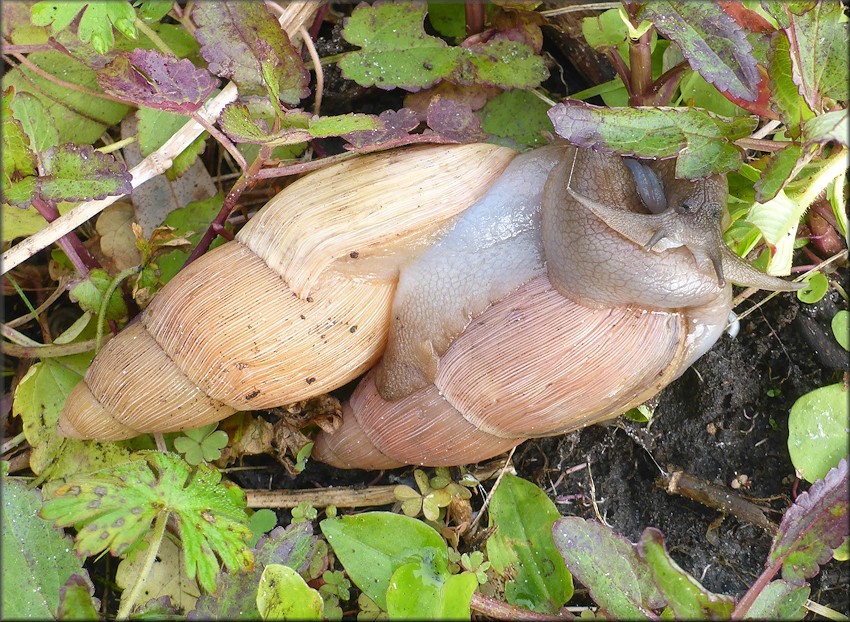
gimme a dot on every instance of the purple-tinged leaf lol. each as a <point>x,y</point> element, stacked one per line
<point>397,124</point>
<point>702,141</point>
<point>814,526</point>
<point>819,50</point>
<point>779,600</point>
<point>714,44</point>
<point>79,173</point>
<point>235,593</point>
<point>149,78</point>
<point>238,37</point>
<point>782,168</point>
<point>76,600</point>
<point>454,121</point>
<point>608,566</point>
<point>687,599</point>
<point>832,126</point>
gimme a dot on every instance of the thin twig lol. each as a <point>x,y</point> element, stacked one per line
<point>19,321</point>
<point>591,6</point>
<point>317,67</point>
<point>495,608</point>
<point>322,497</point>
<point>473,525</point>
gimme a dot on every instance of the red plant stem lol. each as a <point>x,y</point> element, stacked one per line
<point>318,20</point>
<point>26,48</point>
<point>500,610</point>
<point>640,61</point>
<point>474,17</point>
<point>621,68</point>
<point>70,243</point>
<point>665,86</point>
<point>756,588</point>
<point>221,138</point>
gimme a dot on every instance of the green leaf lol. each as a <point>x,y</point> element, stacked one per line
<point>153,10</point>
<point>784,95</point>
<point>518,116</point>
<point>714,44</point>
<point>261,522</point>
<point>685,596</point>
<point>817,431</point>
<point>832,126</point>
<point>448,18</point>
<point>95,24</point>
<point>609,566</point>
<point>523,517</point>
<point>113,509</point>
<point>816,288</point>
<point>417,591</point>
<point>781,169</point>
<point>814,526</point>
<point>78,117</point>
<point>397,52</point>
<point>819,53</point>
<point>840,328</point>
<point>157,126</point>
<point>237,37</point>
<point>75,600</point>
<point>235,596</point>
<point>78,173</point>
<point>90,292</point>
<point>202,444</point>
<point>37,558</point>
<point>18,159</point>
<point>779,600</point>
<point>36,122</point>
<point>372,546</point>
<point>284,595</point>
<point>702,141</point>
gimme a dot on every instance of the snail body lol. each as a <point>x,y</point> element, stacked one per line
<point>494,296</point>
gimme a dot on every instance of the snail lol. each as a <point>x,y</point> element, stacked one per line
<point>492,297</point>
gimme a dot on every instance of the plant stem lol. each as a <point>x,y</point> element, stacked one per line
<point>117,145</point>
<point>640,62</point>
<point>158,532</point>
<point>151,34</point>
<point>101,315</point>
<point>42,351</point>
<point>221,138</point>
<point>70,243</point>
<point>13,442</point>
<point>756,588</point>
<point>494,608</point>
<point>474,17</point>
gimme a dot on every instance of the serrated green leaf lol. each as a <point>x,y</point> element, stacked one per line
<point>114,508</point>
<point>78,117</point>
<point>397,52</point>
<point>609,566</point>
<point>371,547</point>
<point>832,126</point>
<point>523,517</point>
<point>77,173</point>
<point>18,158</point>
<point>784,95</point>
<point>702,141</point>
<point>714,44</point>
<point>90,292</point>
<point>36,122</point>
<point>685,596</point>
<point>95,24</point>
<point>779,600</point>
<point>236,37</point>
<point>235,596</point>
<point>781,169</point>
<point>37,559</point>
<point>417,591</point>
<point>818,431</point>
<point>284,595</point>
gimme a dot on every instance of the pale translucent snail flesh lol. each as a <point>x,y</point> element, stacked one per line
<point>506,296</point>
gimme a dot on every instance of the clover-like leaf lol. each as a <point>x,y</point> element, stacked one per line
<point>114,508</point>
<point>149,78</point>
<point>714,44</point>
<point>202,444</point>
<point>702,141</point>
<point>95,24</point>
<point>238,37</point>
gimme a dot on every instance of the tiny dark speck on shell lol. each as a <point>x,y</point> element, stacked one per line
<point>354,254</point>
<point>311,380</point>
<point>252,394</point>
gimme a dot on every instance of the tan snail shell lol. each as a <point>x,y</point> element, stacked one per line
<point>510,295</point>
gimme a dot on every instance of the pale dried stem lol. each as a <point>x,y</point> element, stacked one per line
<point>322,497</point>
<point>295,15</point>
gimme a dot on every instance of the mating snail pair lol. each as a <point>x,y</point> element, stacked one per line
<point>494,296</point>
